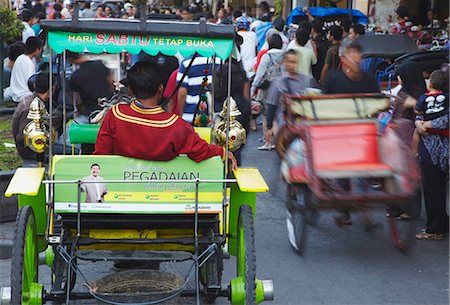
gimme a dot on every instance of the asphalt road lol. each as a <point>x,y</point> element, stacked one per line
<point>340,265</point>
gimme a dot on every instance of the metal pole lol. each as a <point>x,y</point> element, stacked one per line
<point>224,204</point>
<point>64,101</point>
<point>197,288</point>
<point>50,150</point>
<point>1,71</point>
<point>79,209</point>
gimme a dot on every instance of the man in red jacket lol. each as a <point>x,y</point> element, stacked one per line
<point>144,130</point>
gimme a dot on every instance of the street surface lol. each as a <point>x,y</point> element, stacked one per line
<point>340,266</point>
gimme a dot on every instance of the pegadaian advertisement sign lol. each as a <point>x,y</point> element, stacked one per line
<point>146,187</point>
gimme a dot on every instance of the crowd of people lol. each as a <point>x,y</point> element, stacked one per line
<point>275,60</point>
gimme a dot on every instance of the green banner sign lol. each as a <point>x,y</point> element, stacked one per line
<point>100,196</point>
<point>116,43</point>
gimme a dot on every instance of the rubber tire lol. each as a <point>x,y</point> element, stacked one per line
<point>25,220</point>
<point>402,233</point>
<point>212,268</point>
<point>246,224</point>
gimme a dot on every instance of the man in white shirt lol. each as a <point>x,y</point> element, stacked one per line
<point>28,20</point>
<point>24,68</point>
<point>95,192</point>
<point>306,57</point>
<point>248,46</point>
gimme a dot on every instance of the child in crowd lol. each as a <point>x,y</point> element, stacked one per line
<point>432,105</point>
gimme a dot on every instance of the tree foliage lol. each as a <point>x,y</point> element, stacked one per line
<point>10,26</point>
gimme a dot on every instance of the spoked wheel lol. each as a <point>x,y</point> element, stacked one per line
<point>297,218</point>
<point>246,258</point>
<point>402,232</point>
<point>211,275</point>
<point>25,288</point>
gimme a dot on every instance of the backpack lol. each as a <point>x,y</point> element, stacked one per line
<point>273,71</point>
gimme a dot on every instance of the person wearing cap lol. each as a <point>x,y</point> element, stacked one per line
<point>248,46</point>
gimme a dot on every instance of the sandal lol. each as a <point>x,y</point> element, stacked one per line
<point>404,216</point>
<point>430,236</point>
<point>343,220</point>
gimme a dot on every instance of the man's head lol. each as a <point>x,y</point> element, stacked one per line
<point>351,59</point>
<point>187,13</point>
<point>317,26</point>
<point>335,33</point>
<point>242,24</point>
<point>15,50</point>
<point>290,61</point>
<point>345,24</point>
<point>39,83</point>
<point>95,169</point>
<point>33,47</point>
<point>144,81</point>
<point>301,36</point>
<point>438,80</point>
<point>355,31</point>
<point>278,24</point>
<point>27,16</point>
<point>305,25</point>
<point>262,8</point>
<point>402,12</point>
<point>275,42</point>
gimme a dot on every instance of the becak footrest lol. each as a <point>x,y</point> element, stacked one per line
<point>361,170</point>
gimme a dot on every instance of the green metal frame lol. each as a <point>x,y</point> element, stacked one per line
<point>238,198</point>
<point>38,204</point>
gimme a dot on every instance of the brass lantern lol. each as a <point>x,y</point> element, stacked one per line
<point>36,133</point>
<point>236,135</point>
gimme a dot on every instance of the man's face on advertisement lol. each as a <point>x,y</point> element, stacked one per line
<point>95,170</point>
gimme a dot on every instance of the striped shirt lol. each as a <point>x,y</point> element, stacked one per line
<point>193,83</point>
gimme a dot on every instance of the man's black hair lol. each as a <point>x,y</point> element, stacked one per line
<point>304,25</point>
<point>42,82</point>
<point>302,36</point>
<point>57,15</point>
<point>184,8</point>
<point>144,80</point>
<point>26,15</point>
<point>95,164</point>
<point>336,32</point>
<point>40,15</point>
<point>278,24</point>
<point>275,42</point>
<point>358,29</point>
<point>317,25</point>
<point>264,6</point>
<point>237,14</point>
<point>402,11</point>
<point>32,44</point>
<point>439,79</point>
<point>345,24</point>
<point>15,50</point>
